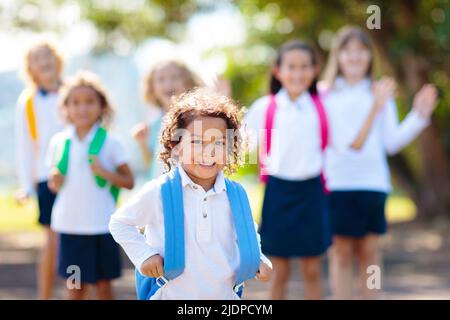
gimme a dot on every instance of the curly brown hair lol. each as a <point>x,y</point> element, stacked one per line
<point>202,102</point>
<point>84,78</point>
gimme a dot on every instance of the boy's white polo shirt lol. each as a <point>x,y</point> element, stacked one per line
<point>212,254</point>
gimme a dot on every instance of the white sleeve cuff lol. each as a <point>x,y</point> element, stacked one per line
<point>420,121</point>
<point>266,261</point>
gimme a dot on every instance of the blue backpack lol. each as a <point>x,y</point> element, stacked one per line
<point>174,259</point>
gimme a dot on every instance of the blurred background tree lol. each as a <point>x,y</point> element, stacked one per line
<point>413,42</point>
<point>414,46</point>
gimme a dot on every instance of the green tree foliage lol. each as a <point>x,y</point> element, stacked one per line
<point>414,46</point>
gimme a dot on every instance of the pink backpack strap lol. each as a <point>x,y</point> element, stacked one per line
<point>267,142</point>
<point>324,132</point>
<point>323,121</point>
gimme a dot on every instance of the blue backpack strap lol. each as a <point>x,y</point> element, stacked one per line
<point>172,200</point>
<point>246,234</point>
<point>145,286</point>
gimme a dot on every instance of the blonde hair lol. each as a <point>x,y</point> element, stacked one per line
<point>343,36</point>
<point>87,79</point>
<point>27,74</point>
<point>190,79</point>
<point>202,102</point>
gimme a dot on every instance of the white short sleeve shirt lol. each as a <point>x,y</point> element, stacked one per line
<point>296,142</point>
<point>81,206</point>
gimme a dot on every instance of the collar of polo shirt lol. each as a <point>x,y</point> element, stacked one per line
<point>340,83</point>
<point>283,98</point>
<point>88,138</point>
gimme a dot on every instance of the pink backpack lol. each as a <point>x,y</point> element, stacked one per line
<point>268,125</point>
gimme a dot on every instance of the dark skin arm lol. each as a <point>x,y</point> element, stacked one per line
<point>122,178</point>
<point>55,180</point>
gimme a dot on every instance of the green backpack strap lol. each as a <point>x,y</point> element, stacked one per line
<point>94,149</point>
<point>115,191</point>
<point>63,161</point>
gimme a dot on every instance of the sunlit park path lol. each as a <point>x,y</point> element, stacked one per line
<point>408,249</point>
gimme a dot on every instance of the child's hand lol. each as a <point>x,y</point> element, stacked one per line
<point>96,167</point>
<point>383,90</point>
<point>264,273</point>
<point>21,197</point>
<point>153,266</point>
<point>56,180</point>
<point>425,100</point>
<point>140,132</point>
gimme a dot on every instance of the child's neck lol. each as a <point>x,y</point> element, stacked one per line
<point>352,80</point>
<point>83,131</point>
<point>206,184</point>
<point>50,86</point>
<point>294,96</point>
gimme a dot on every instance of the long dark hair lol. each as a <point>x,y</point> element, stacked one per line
<point>275,84</point>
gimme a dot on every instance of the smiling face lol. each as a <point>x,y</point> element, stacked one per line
<point>203,149</point>
<point>43,66</point>
<point>296,71</point>
<point>354,60</point>
<point>168,81</point>
<point>84,107</point>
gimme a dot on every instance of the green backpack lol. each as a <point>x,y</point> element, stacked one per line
<point>94,149</point>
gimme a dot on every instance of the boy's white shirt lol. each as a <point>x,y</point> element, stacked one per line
<point>81,206</point>
<point>366,169</point>
<point>31,166</point>
<point>212,254</point>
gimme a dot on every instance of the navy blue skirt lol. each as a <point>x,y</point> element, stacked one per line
<point>46,199</point>
<point>97,257</point>
<point>357,213</point>
<point>295,219</point>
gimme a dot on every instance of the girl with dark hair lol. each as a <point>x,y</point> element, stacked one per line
<point>295,132</point>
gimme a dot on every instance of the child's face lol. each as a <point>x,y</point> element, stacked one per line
<point>203,147</point>
<point>43,66</point>
<point>354,59</point>
<point>84,107</point>
<point>296,71</point>
<point>167,82</point>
